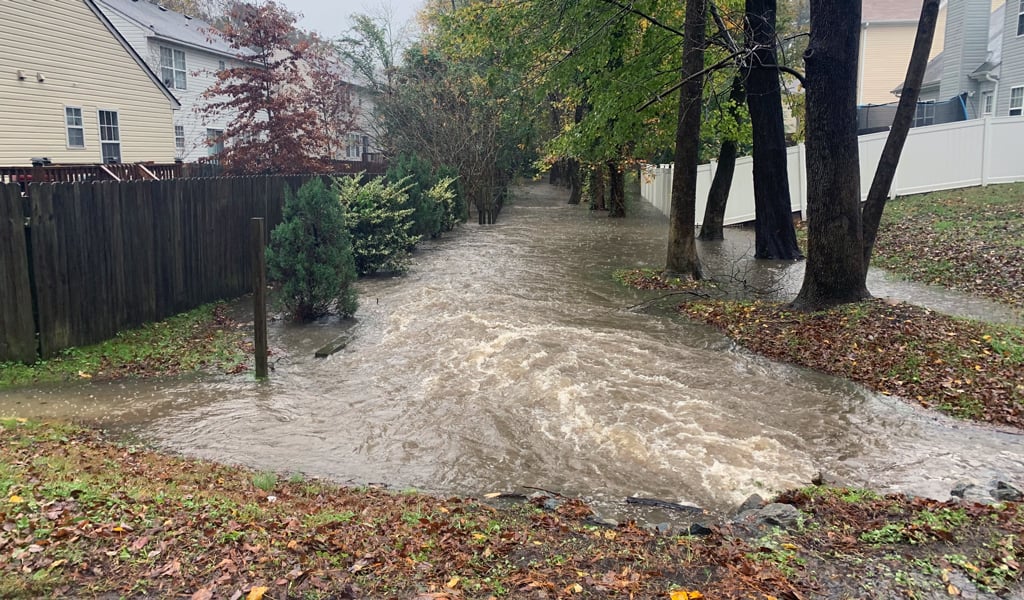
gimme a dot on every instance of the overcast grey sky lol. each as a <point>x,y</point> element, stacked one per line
<point>330,17</point>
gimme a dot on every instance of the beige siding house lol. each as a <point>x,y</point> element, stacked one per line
<point>74,91</point>
<point>888,28</point>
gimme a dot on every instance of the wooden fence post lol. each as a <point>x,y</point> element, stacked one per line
<point>259,296</point>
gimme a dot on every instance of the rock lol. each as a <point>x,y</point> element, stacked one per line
<point>663,528</point>
<point>595,520</point>
<point>699,529</point>
<point>754,502</point>
<point>786,516</point>
<point>969,492</point>
<point>552,504</point>
<point>754,523</point>
<point>1005,492</point>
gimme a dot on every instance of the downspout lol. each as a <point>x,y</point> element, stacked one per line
<point>860,62</point>
<point>995,92</point>
<point>963,105</point>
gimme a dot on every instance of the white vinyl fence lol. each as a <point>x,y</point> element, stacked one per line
<point>938,157</point>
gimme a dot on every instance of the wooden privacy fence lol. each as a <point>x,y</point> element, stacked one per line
<point>81,261</point>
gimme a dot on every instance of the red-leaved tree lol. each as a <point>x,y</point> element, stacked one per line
<point>276,128</point>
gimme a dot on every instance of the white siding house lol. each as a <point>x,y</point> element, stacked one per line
<point>186,53</point>
<point>74,91</point>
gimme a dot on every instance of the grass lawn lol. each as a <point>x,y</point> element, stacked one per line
<point>969,239</point>
<point>203,338</point>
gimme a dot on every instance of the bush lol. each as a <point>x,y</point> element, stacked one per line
<point>378,223</point>
<point>414,173</point>
<point>431,215</point>
<point>310,254</point>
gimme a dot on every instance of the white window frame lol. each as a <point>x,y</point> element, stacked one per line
<point>1020,19</point>
<point>117,131</point>
<point>1020,100</point>
<point>170,73</point>
<point>179,138</point>
<point>214,149</point>
<point>988,104</point>
<point>68,127</point>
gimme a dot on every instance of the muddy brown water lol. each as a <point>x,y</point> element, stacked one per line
<point>508,357</point>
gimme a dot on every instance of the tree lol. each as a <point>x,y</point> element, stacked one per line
<point>774,231</point>
<point>835,270</point>
<point>310,254</point>
<point>329,97</point>
<point>275,128</point>
<point>718,196</point>
<point>905,112</point>
<point>682,256</point>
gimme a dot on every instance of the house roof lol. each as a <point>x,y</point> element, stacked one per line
<point>91,4</point>
<point>168,25</point>
<point>890,11</point>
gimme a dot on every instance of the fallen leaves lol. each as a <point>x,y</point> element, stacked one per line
<point>968,369</point>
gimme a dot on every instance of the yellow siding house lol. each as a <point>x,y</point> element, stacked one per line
<point>73,90</point>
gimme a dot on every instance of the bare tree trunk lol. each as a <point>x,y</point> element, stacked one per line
<point>616,190</point>
<point>682,259</point>
<point>597,189</point>
<point>575,181</point>
<point>718,196</point>
<point>905,112</point>
<point>775,236</point>
<point>835,244</point>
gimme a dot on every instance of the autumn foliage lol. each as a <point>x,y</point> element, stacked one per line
<point>290,102</point>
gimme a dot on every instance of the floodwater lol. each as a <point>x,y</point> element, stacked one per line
<point>507,357</point>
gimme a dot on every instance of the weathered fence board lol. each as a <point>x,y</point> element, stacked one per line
<point>17,328</point>
<point>106,256</point>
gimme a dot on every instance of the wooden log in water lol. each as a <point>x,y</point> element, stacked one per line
<point>336,345</point>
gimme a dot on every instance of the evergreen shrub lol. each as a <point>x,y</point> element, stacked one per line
<point>310,254</point>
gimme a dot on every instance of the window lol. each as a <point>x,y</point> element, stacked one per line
<point>220,65</point>
<point>925,114</point>
<point>353,147</point>
<point>172,67</point>
<point>213,138</point>
<point>73,121</point>
<point>1017,100</point>
<point>1020,18</point>
<point>986,104</point>
<point>179,138</point>
<point>110,136</point>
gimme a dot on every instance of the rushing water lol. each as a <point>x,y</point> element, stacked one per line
<point>507,357</point>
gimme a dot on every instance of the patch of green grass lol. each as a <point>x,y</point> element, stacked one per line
<point>328,518</point>
<point>185,342</point>
<point>265,481</point>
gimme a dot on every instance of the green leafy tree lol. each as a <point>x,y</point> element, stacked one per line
<point>379,224</point>
<point>310,254</point>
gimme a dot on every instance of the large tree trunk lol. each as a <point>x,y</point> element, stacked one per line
<point>682,259</point>
<point>835,245</point>
<point>597,189</point>
<point>712,228</point>
<point>905,112</point>
<point>775,234</point>
<point>575,181</point>
<point>616,190</point>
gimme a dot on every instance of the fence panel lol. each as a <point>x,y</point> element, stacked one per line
<point>938,157</point>
<point>1004,160</point>
<point>17,328</point>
